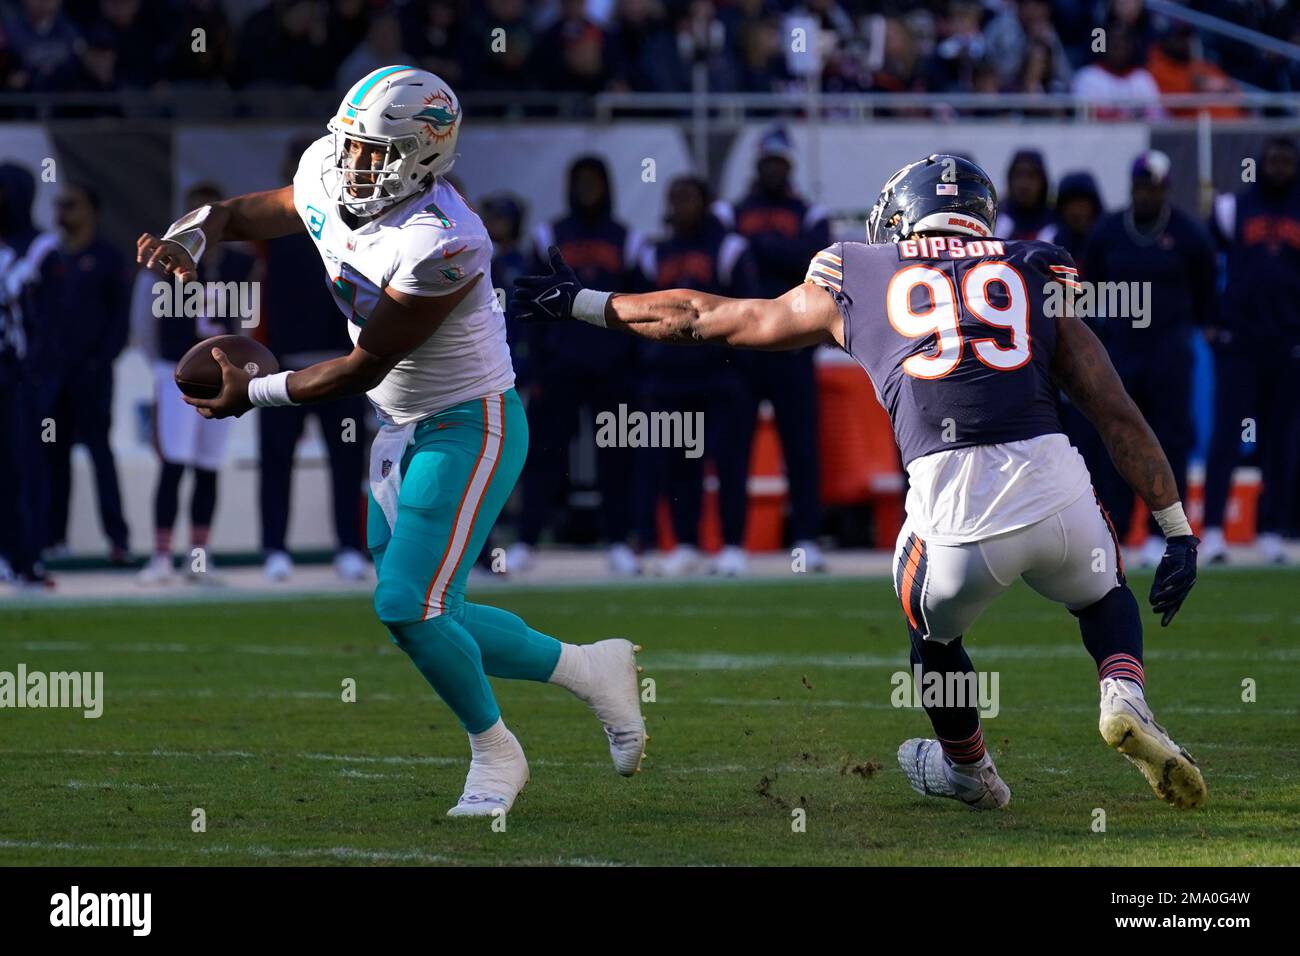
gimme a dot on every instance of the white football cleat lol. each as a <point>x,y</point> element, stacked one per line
<point>1151,552</point>
<point>679,562</point>
<point>813,559</point>
<point>623,562</point>
<point>1213,549</point>
<point>519,558</point>
<point>495,778</point>
<point>932,774</point>
<point>1128,725</point>
<point>158,571</point>
<point>351,565</point>
<point>613,693</point>
<point>278,566</point>
<point>731,562</point>
<point>1270,547</point>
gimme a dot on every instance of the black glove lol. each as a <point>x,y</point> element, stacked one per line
<point>1174,577</point>
<point>547,298</point>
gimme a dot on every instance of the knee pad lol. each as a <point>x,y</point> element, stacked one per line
<point>398,600</point>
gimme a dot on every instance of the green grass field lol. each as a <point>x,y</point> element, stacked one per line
<point>769,697</point>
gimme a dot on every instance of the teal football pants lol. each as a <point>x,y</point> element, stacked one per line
<point>456,476</point>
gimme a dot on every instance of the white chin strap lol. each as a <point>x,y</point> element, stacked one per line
<point>958,222</point>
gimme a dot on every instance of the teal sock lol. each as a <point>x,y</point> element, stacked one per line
<point>450,660</point>
<point>510,648</point>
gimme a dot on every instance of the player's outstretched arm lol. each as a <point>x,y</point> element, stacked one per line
<point>264,215</point>
<point>1083,369</point>
<point>804,316</point>
<point>400,323</point>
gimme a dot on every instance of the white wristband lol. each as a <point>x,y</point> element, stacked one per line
<point>589,306</point>
<point>1172,520</point>
<point>269,390</point>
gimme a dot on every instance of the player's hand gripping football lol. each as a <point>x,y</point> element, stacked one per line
<point>165,256</point>
<point>1174,576</point>
<point>547,298</point>
<point>233,399</point>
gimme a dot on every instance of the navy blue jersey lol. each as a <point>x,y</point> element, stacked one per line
<point>956,334</point>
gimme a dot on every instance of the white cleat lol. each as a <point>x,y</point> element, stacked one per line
<point>494,781</point>
<point>932,774</point>
<point>814,561</point>
<point>731,562</point>
<point>278,566</point>
<point>623,562</point>
<point>679,562</point>
<point>351,565</point>
<point>158,571</point>
<point>1128,725</point>
<point>1213,549</point>
<point>1152,551</point>
<point>519,558</point>
<point>613,693</point>
<point>1271,549</point>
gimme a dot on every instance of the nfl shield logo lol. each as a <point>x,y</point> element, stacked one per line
<point>352,245</point>
<point>385,468</point>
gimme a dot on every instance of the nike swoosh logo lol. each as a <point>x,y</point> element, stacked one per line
<point>1136,711</point>
<point>448,253</point>
<point>550,295</point>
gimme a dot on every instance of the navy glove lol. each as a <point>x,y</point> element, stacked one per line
<point>1174,577</point>
<point>547,298</point>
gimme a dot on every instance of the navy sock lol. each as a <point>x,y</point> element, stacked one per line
<point>958,728</point>
<point>1112,633</point>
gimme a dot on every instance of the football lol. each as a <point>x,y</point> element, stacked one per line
<point>199,376</point>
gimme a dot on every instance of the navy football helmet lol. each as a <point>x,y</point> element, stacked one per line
<point>941,193</point>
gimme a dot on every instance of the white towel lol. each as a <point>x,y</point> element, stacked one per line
<point>386,467</point>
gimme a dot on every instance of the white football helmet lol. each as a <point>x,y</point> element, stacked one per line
<point>414,115</point>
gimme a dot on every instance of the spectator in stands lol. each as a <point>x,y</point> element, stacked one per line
<point>1078,207</point>
<point>1165,259</point>
<point>286,44</point>
<point>896,69</point>
<point>1177,69</point>
<point>699,253</point>
<point>209,67</point>
<point>382,46</point>
<point>1117,86</point>
<point>1134,19</point>
<point>301,327</point>
<point>644,56</point>
<point>503,216</point>
<point>183,439</point>
<point>127,45</point>
<point>1010,34</point>
<point>1257,349</point>
<point>960,50</point>
<point>571,54</point>
<point>436,35</point>
<point>784,231</point>
<point>501,42</point>
<point>577,369</point>
<point>763,66</point>
<point>1026,211</point>
<point>45,48</point>
<point>92,286</point>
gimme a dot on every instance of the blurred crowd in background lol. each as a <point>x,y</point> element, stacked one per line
<point>67,308</point>
<point>590,46</point>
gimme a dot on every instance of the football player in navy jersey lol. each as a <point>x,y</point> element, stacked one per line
<point>966,339</point>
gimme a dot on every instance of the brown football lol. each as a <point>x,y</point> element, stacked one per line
<point>199,376</point>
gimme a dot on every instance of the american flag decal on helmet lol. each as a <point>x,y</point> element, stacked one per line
<point>945,189</point>
<point>826,270</point>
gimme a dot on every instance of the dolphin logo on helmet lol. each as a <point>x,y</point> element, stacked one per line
<point>414,116</point>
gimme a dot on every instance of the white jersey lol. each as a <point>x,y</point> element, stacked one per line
<point>430,244</point>
<point>969,494</point>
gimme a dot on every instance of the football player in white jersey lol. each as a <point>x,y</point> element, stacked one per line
<point>408,263</point>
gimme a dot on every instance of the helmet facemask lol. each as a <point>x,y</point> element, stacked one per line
<point>368,192</point>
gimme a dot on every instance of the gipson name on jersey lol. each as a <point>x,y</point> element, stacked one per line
<point>935,247</point>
